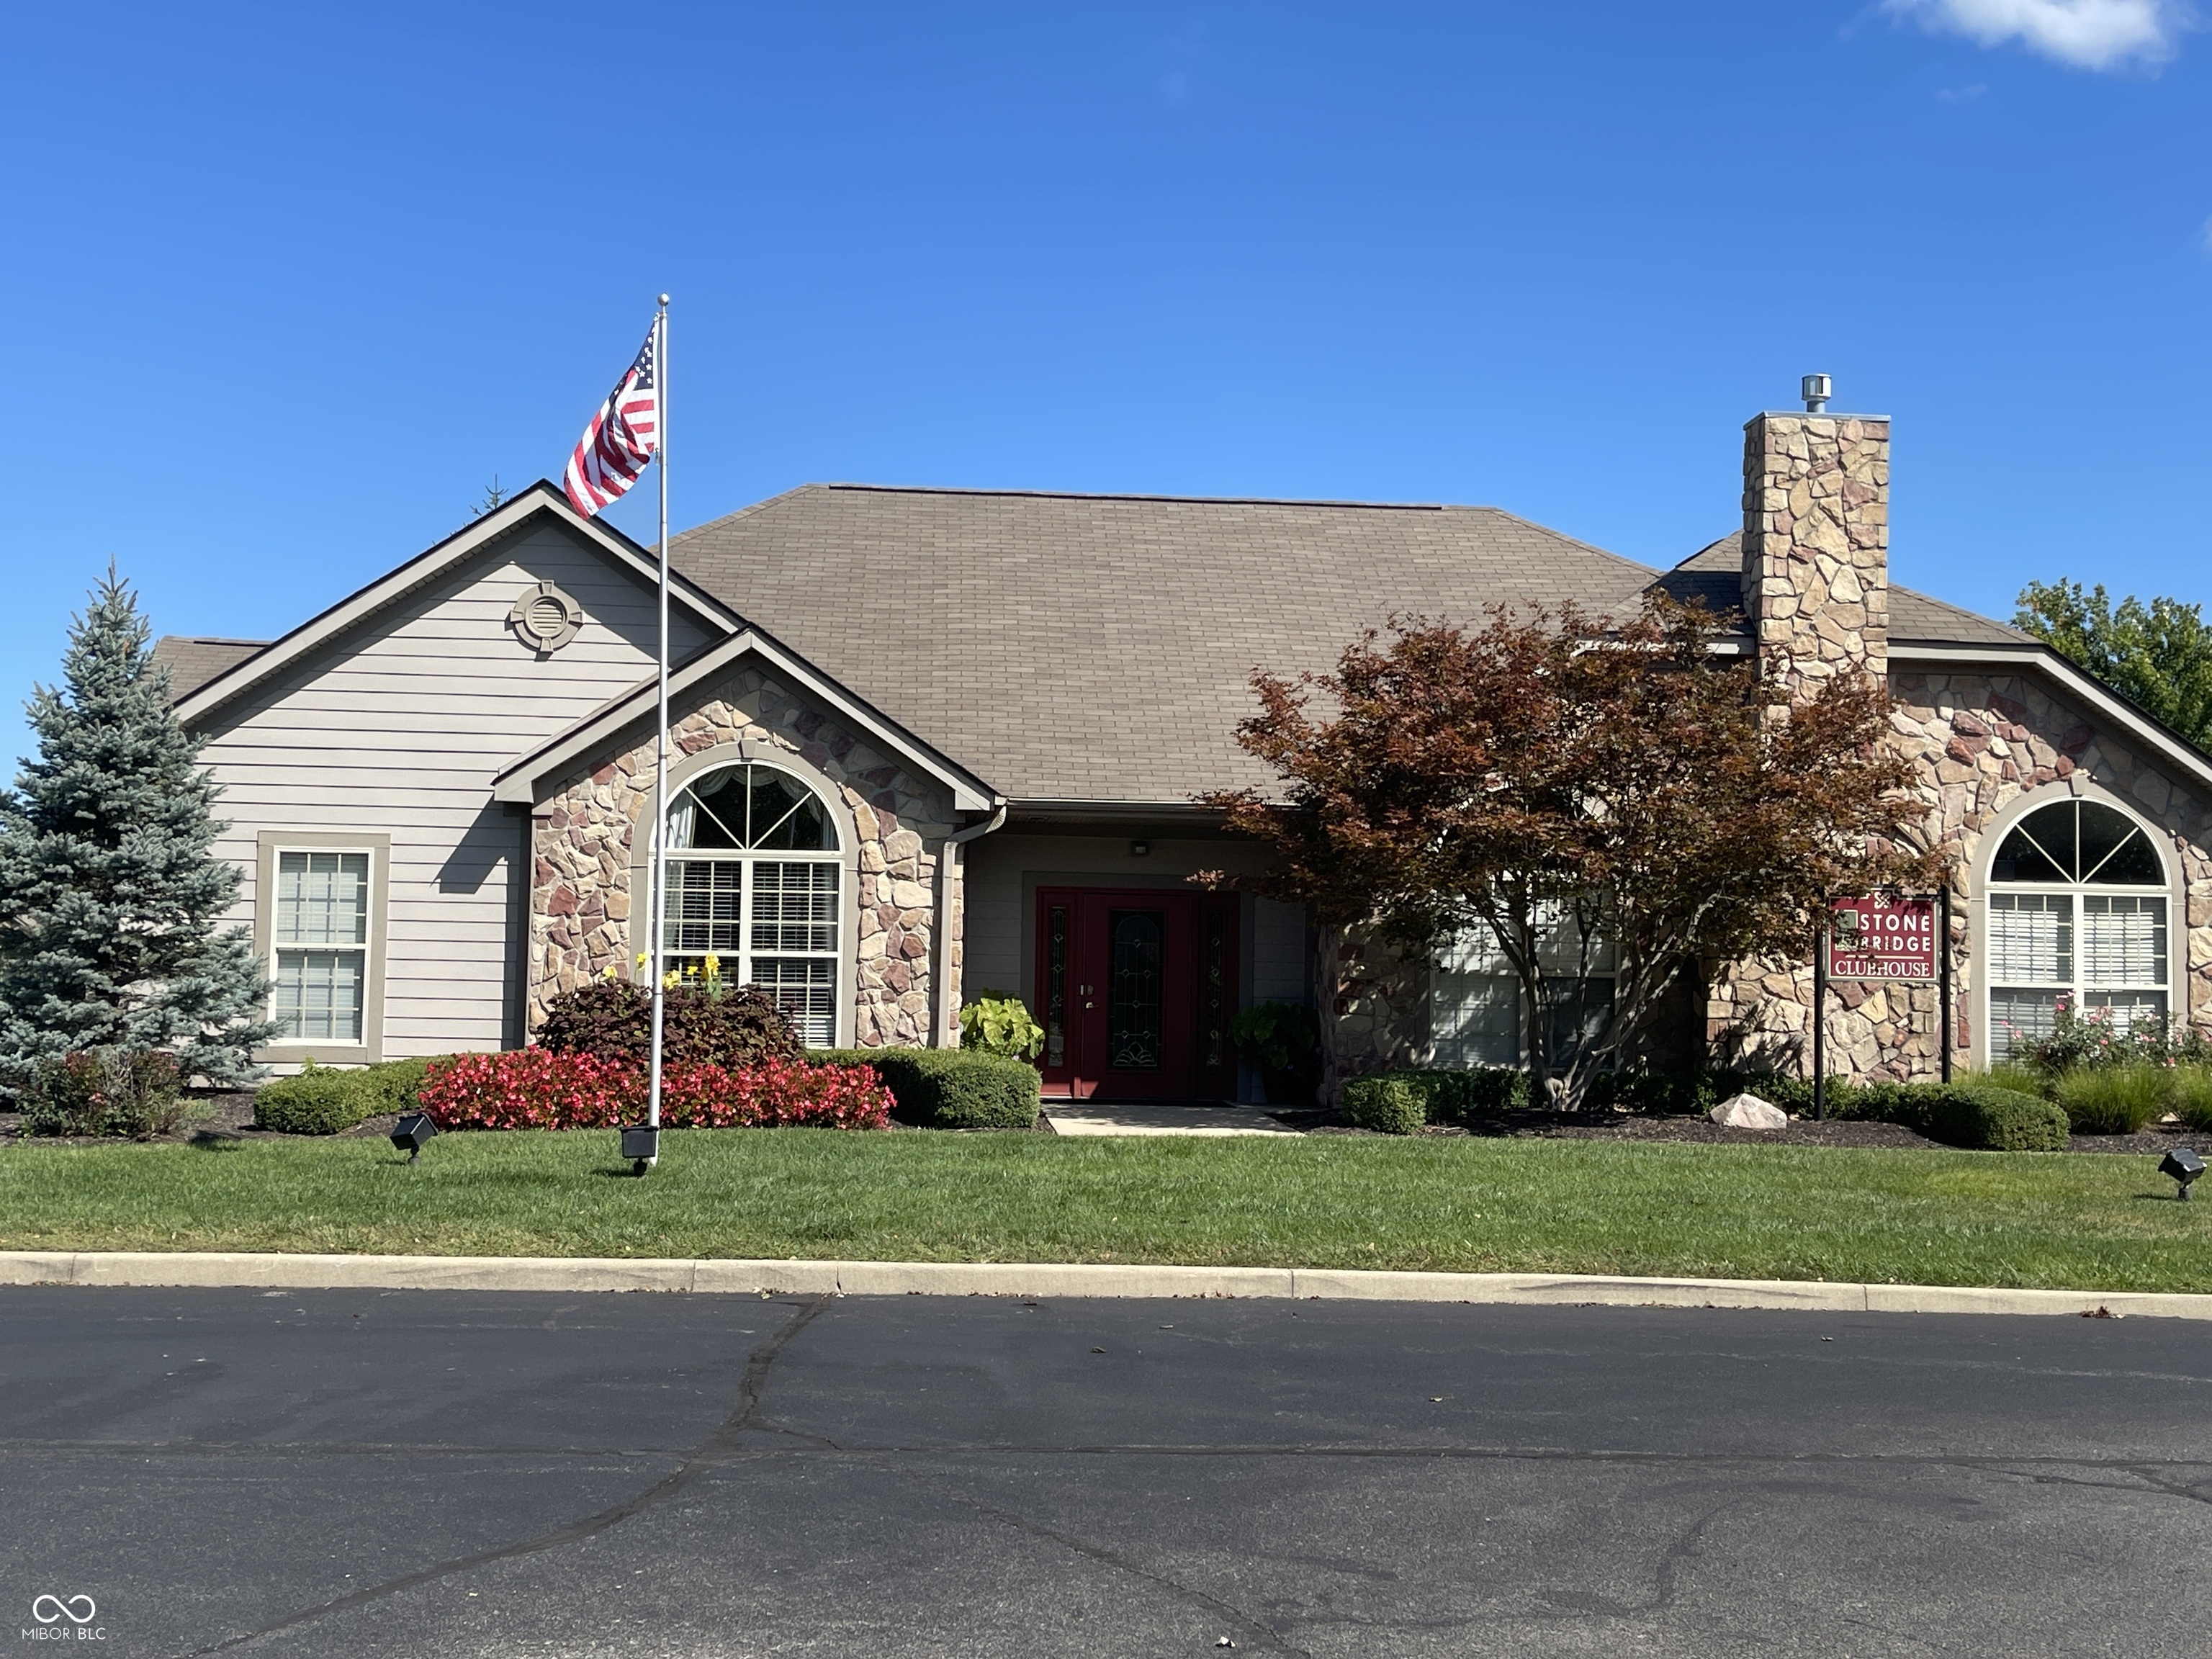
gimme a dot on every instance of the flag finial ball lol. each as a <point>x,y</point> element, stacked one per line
<point>663,298</point>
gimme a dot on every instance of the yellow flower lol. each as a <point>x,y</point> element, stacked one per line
<point>642,958</point>
<point>713,962</point>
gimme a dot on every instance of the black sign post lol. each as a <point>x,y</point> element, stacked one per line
<point>1944,963</point>
<point>1820,1016</point>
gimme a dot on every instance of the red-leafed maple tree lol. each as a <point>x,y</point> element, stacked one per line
<point>1568,782</point>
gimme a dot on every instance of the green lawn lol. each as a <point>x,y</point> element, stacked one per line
<point>2096,1222</point>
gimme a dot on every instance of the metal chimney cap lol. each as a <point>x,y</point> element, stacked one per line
<point>1816,390</point>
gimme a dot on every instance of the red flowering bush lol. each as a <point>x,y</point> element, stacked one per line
<point>539,1089</point>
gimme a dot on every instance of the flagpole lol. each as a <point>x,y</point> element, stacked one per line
<point>659,880</point>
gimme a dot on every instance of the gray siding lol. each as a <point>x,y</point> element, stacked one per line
<point>400,726</point>
<point>1279,964</point>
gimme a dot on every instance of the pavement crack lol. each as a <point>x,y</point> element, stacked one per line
<point>717,1448</point>
<point>1251,1626</point>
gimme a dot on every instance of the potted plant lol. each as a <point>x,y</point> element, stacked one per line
<point>1284,1040</point>
<point>999,1023</point>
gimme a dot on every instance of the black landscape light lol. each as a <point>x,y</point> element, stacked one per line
<point>412,1133</point>
<point>640,1144</point>
<point>2182,1165</point>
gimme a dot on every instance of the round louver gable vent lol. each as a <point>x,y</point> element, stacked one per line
<point>545,618</point>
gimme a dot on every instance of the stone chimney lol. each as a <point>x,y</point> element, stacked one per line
<point>1816,544</point>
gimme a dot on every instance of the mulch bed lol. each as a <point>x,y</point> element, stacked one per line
<point>226,1114</point>
<point>229,1117</point>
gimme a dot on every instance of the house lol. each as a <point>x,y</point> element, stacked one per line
<point>928,741</point>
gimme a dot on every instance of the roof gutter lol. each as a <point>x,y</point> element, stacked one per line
<point>948,1020</point>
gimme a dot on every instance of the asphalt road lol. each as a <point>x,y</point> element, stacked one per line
<point>367,1473</point>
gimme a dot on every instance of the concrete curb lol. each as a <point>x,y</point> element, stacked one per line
<point>478,1272</point>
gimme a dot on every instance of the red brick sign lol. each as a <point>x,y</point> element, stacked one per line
<point>1882,939</point>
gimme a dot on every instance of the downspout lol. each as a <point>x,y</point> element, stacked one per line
<point>948,1015</point>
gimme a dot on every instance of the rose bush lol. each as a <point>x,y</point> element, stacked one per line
<point>539,1089</point>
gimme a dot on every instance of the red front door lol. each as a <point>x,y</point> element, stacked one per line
<point>1134,989</point>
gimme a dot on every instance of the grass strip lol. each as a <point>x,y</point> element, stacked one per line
<point>1911,1217</point>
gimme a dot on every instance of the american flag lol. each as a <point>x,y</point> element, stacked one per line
<point>619,441</point>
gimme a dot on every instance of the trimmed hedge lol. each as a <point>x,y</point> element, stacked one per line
<point>1453,1096</point>
<point>327,1100</point>
<point>1388,1103</point>
<point>1975,1115</point>
<point>950,1088</point>
<point>322,1100</point>
<point>1983,1117</point>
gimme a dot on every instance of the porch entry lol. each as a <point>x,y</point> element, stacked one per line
<point>1134,989</point>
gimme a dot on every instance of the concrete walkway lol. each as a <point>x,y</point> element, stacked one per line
<point>1095,1117</point>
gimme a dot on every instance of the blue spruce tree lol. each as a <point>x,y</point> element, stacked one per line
<point>108,892</point>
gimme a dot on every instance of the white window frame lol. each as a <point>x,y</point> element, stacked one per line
<point>737,964</point>
<point>288,1051</point>
<point>1991,1046</point>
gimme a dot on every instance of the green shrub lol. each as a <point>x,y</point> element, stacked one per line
<point>391,1084</point>
<point>1975,1115</point>
<point>1982,1117</point>
<point>105,1091</point>
<point>320,1100</point>
<point>950,1088</point>
<point>999,1023</point>
<point>2114,1100</point>
<point>1388,1103</point>
<point>2192,1094</point>
<point>1453,1096</point>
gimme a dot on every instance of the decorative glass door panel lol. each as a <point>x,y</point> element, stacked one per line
<point>1134,989</point>
<point>1135,1034</point>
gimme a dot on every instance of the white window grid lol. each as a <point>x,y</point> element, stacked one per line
<point>318,941</point>
<point>774,921</point>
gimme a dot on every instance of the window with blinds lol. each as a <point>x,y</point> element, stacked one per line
<point>756,880</point>
<point>2063,928</point>
<point>1476,1016</point>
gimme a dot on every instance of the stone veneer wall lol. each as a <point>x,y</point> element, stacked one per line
<point>1816,544</point>
<point>1374,1007</point>
<point>581,902</point>
<point>1981,742</point>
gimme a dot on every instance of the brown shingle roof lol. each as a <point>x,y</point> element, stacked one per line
<point>1713,573</point>
<point>1097,648</point>
<point>193,663</point>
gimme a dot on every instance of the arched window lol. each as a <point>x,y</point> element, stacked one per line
<point>755,878</point>
<point>2077,910</point>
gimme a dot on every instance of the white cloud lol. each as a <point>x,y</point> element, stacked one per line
<point>2093,35</point>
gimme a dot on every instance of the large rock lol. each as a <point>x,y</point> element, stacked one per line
<point>1749,1112</point>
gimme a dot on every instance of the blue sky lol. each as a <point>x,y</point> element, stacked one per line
<point>290,285</point>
